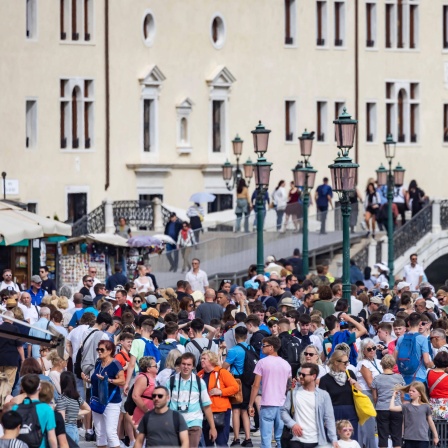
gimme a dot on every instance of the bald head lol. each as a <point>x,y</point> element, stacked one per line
<point>209,295</point>
<point>25,298</point>
<point>420,305</point>
<point>77,298</point>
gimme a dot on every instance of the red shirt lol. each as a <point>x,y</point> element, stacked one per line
<point>441,390</point>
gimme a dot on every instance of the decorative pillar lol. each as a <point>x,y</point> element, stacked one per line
<point>109,225</point>
<point>371,256</point>
<point>436,226</point>
<point>157,215</point>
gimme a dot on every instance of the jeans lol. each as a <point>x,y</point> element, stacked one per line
<point>173,256</point>
<point>72,431</point>
<point>323,218</point>
<point>415,444</point>
<point>80,388</point>
<point>280,214</point>
<point>106,425</point>
<point>270,416</point>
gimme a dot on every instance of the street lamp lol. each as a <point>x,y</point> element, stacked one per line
<point>262,171</point>
<point>390,178</point>
<point>232,177</point>
<point>343,176</point>
<point>304,177</point>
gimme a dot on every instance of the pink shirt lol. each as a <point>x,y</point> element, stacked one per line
<point>274,372</point>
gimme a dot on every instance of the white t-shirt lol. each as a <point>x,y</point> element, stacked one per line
<point>197,281</point>
<point>305,415</point>
<point>412,274</point>
<point>75,337</point>
<point>348,444</point>
<point>30,313</point>
<point>11,286</point>
<point>375,368</point>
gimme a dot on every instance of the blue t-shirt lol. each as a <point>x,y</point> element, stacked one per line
<point>235,357</point>
<point>421,346</point>
<point>322,192</point>
<point>45,414</point>
<point>112,372</point>
<point>74,321</point>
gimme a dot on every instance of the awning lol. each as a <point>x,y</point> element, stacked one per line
<point>17,224</point>
<point>104,238</point>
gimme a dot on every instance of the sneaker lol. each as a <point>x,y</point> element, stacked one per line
<point>236,442</point>
<point>247,442</point>
<point>90,437</point>
<point>123,445</point>
<point>363,225</point>
<point>256,433</point>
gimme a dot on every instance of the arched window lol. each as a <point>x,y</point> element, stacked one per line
<point>183,130</point>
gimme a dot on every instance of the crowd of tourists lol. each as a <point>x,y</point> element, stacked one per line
<point>282,357</point>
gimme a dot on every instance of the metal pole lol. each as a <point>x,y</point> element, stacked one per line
<point>260,248</point>
<point>346,285</point>
<point>390,223</point>
<point>305,256</point>
<point>4,185</point>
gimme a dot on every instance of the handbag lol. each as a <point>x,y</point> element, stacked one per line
<point>97,406</point>
<point>220,420</point>
<point>363,404</point>
<point>238,397</point>
<point>287,434</point>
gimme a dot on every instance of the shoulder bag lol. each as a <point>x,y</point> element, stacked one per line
<point>363,405</point>
<point>287,434</point>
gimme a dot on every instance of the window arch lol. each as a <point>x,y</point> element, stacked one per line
<point>183,130</point>
<point>148,28</point>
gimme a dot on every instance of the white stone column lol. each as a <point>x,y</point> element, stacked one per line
<point>158,218</point>
<point>109,216</point>
<point>385,249</point>
<point>371,258</point>
<point>436,227</point>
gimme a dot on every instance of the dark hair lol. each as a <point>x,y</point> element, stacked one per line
<point>253,319</point>
<point>108,345</point>
<point>241,185</point>
<point>181,284</point>
<point>30,365</point>
<point>197,325</point>
<point>85,277</point>
<point>367,273</point>
<point>399,323</point>
<point>128,286</point>
<point>45,268</point>
<point>11,420</point>
<point>104,318</point>
<point>171,317</point>
<point>386,326</point>
<point>105,307</point>
<point>240,317</point>
<point>314,368</point>
<point>171,328</point>
<point>188,355</point>
<point>425,292</point>
<point>325,292</point>
<point>295,288</point>
<point>68,385</point>
<point>56,316</point>
<point>274,341</point>
<point>125,335</point>
<point>97,287</point>
<point>157,334</point>
<point>330,322</point>
<point>165,389</point>
<point>30,383</point>
<point>414,319</point>
<point>341,305</point>
<point>441,360</point>
<point>185,301</point>
<point>241,332</point>
<point>305,319</point>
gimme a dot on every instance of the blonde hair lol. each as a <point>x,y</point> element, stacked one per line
<point>170,361</point>
<point>302,355</point>
<point>46,300</point>
<point>46,392</point>
<point>342,424</point>
<point>54,358</point>
<point>336,356</point>
<point>387,362</point>
<point>419,387</point>
<point>364,344</point>
<point>62,303</point>
<point>213,357</point>
<point>18,313</point>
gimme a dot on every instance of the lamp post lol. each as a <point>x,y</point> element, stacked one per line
<point>343,176</point>
<point>262,169</point>
<point>231,176</point>
<point>4,185</point>
<point>389,178</point>
<point>304,177</point>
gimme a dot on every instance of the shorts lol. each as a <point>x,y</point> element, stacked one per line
<point>246,397</point>
<point>372,211</point>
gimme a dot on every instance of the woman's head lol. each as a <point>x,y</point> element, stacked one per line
<point>68,385</point>
<point>310,354</point>
<point>56,360</point>
<point>367,273</point>
<point>105,349</point>
<point>412,185</point>
<point>170,361</point>
<point>137,301</point>
<point>209,358</point>
<point>148,364</point>
<point>187,304</point>
<point>30,365</point>
<point>141,269</point>
<point>338,361</point>
<point>241,185</point>
<point>62,303</point>
<point>225,285</point>
<point>368,349</point>
<point>388,362</point>
<point>370,188</point>
<point>325,292</point>
<point>18,313</point>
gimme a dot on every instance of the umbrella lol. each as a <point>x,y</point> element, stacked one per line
<point>144,241</point>
<point>14,230</point>
<point>165,239</point>
<point>202,197</point>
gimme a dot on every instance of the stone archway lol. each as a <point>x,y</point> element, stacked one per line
<point>437,271</point>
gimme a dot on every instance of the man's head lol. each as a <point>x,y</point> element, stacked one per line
<point>325,180</point>
<point>252,323</point>
<point>438,338</point>
<point>103,321</point>
<point>92,271</point>
<point>384,331</point>
<point>240,293</point>
<point>414,320</point>
<point>30,383</point>
<point>296,252</point>
<point>25,298</point>
<point>223,298</point>
<point>187,363</point>
<point>173,217</point>
<point>100,289</point>
<point>270,345</point>
<point>171,329</point>
<point>209,295</point>
<point>160,397</point>
<point>413,259</point>
<point>291,280</point>
<point>399,326</point>
<point>297,291</point>
<point>195,263</point>
<point>7,275</point>
<point>36,282</point>
<point>304,322</point>
<point>374,303</point>
<point>125,340</point>
<point>275,287</point>
<point>241,334</point>
<point>197,325</point>
<point>308,373</point>
<point>12,423</point>
<point>181,285</point>
<point>147,326</point>
<point>420,306</point>
<point>87,281</point>
<point>121,297</point>
<point>337,290</point>
<point>45,312</point>
<point>43,272</point>
<point>283,325</point>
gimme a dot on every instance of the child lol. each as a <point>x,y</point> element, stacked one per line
<point>416,415</point>
<point>345,431</point>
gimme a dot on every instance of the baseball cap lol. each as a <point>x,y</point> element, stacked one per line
<point>198,296</point>
<point>161,300</point>
<point>377,299</point>
<point>270,259</point>
<point>151,300</point>
<point>402,285</point>
<point>389,317</point>
<point>36,279</point>
<point>232,289</point>
<point>429,304</point>
<point>384,285</point>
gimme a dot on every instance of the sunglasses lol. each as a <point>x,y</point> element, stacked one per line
<point>347,429</point>
<point>227,281</point>
<point>371,349</point>
<point>153,366</point>
<point>160,396</point>
<point>93,272</point>
<point>303,375</point>
<point>89,280</point>
<point>344,362</point>
<point>191,304</point>
<point>137,301</point>
<point>100,350</point>
<point>266,345</point>
<point>424,323</point>
<point>309,354</point>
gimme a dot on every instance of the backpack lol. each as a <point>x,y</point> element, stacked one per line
<point>164,349</point>
<point>201,349</point>
<point>31,431</point>
<point>129,405</point>
<point>77,368</point>
<point>250,361</point>
<point>151,350</point>
<point>176,422</point>
<point>294,348</point>
<point>407,360</point>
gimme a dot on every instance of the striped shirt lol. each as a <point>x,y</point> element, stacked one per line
<point>188,404</point>
<point>71,408</point>
<point>12,443</point>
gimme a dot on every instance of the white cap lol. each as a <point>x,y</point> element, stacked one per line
<point>402,285</point>
<point>384,285</point>
<point>429,304</point>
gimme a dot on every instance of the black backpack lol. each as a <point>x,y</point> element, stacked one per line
<point>201,349</point>
<point>31,431</point>
<point>250,361</point>
<point>77,368</point>
<point>294,348</point>
<point>129,405</point>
